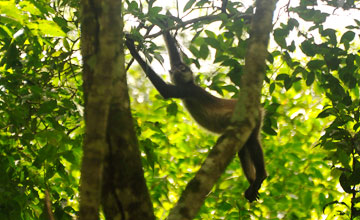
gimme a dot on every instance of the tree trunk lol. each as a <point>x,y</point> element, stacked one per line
<point>124,191</point>
<point>97,77</point>
<point>111,169</point>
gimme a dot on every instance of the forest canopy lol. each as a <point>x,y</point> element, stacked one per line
<point>65,72</point>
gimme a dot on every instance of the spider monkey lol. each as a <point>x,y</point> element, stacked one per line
<point>210,112</point>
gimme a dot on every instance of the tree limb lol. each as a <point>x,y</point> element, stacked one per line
<point>208,18</point>
<point>232,141</point>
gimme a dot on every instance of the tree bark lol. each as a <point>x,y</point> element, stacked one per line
<point>245,117</point>
<point>101,52</point>
<point>124,191</point>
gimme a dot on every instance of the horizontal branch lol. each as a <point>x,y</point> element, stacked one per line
<point>208,18</point>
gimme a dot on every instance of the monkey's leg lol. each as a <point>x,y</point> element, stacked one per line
<point>254,148</point>
<point>247,164</point>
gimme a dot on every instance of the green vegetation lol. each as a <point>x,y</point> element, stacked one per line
<point>311,97</point>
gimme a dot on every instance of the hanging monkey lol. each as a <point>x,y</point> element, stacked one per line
<point>212,113</point>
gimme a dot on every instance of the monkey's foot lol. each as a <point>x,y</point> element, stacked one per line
<point>252,193</point>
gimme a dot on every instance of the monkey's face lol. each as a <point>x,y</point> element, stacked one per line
<point>181,74</point>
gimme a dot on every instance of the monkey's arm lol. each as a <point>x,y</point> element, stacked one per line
<point>174,55</point>
<point>166,90</point>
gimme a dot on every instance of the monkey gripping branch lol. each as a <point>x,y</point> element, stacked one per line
<point>245,116</point>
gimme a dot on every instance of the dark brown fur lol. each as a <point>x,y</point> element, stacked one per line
<point>210,112</point>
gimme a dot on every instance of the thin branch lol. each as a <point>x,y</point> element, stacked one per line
<point>48,208</point>
<point>129,64</point>
<point>209,18</point>
<point>224,5</point>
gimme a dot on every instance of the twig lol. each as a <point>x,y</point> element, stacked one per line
<point>209,18</point>
<point>48,208</point>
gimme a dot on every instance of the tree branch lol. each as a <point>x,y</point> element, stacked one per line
<point>208,18</point>
<point>48,207</point>
<point>232,141</point>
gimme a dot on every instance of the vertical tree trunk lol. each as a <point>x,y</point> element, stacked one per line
<point>124,191</point>
<point>97,77</point>
<point>105,86</point>
<point>124,188</point>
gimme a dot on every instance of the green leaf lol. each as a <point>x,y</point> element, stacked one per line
<point>45,9</point>
<point>280,37</point>
<point>29,7</point>
<point>332,61</point>
<point>66,44</point>
<point>345,184</point>
<point>47,107</point>
<point>54,123</point>
<point>341,155</point>
<point>201,3</point>
<point>172,109</point>
<point>271,109</point>
<point>307,48</point>
<point>271,88</point>
<point>213,43</point>
<point>210,34</point>
<point>347,100</point>
<point>204,51</point>
<point>282,76</point>
<point>292,46</point>
<point>231,63</point>
<point>331,33</point>
<point>308,199</point>
<point>347,37</point>
<point>225,206</point>
<point>288,83</point>
<point>354,178</point>
<point>10,10</point>
<point>69,156</point>
<point>357,22</point>
<point>326,112</point>
<point>235,75</point>
<point>47,28</point>
<point>310,78</point>
<point>230,88</point>
<point>269,130</point>
<point>194,51</point>
<point>315,64</point>
<point>149,147</point>
<point>48,153</point>
<point>356,126</point>
<point>316,16</point>
<point>133,6</point>
<point>293,23</point>
<point>301,70</point>
<point>287,58</point>
<point>188,5</point>
<point>62,23</point>
<point>154,11</point>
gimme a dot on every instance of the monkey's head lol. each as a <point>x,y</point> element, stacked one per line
<point>181,74</point>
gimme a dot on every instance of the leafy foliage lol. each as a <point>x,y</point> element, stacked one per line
<point>311,96</point>
<point>325,75</point>
<point>40,101</point>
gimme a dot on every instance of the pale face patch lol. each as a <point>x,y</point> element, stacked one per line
<point>181,74</point>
